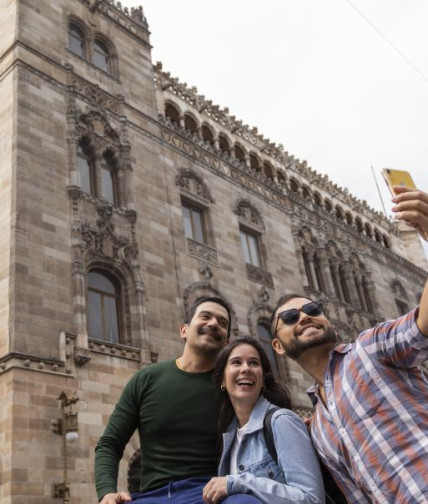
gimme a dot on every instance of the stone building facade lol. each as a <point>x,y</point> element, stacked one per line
<point>124,195</point>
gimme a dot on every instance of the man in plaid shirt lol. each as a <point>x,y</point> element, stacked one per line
<point>370,425</point>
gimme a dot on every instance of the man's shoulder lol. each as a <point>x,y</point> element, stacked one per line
<point>158,367</point>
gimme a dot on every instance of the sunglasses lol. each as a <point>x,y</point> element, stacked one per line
<point>290,317</point>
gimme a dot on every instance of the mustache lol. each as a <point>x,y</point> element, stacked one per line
<point>207,330</point>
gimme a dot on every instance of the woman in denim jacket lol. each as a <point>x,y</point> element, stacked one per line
<point>244,374</point>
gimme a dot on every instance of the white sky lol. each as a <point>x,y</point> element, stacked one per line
<point>312,75</point>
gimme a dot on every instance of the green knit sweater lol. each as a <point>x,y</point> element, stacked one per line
<point>175,413</point>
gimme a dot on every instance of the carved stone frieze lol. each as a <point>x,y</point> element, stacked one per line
<point>259,275</point>
<point>95,95</point>
<point>202,251</point>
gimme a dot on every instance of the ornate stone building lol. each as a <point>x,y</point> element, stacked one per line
<point>124,195</point>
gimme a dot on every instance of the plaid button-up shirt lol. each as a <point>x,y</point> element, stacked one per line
<point>373,435</point>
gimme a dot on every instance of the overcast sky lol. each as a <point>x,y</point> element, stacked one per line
<point>342,84</point>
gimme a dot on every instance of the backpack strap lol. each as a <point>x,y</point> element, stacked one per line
<point>268,433</point>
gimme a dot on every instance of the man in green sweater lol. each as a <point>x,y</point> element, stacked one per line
<point>174,406</point>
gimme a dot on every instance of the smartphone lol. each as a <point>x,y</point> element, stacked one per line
<point>397,177</point>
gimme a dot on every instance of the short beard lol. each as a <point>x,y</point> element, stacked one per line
<point>296,347</point>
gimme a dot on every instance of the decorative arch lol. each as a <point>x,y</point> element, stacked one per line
<point>193,183</point>
<point>190,122</point>
<point>248,214</point>
<point>172,111</point>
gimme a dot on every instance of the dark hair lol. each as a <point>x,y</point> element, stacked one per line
<point>282,300</point>
<point>272,390</point>
<point>208,299</point>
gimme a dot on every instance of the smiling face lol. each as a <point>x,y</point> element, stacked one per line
<point>243,375</point>
<point>308,331</point>
<point>207,331</point>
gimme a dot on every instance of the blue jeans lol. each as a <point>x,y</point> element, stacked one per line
<point>188,491</point>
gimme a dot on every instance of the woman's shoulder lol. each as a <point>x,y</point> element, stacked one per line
<point>287,415</point>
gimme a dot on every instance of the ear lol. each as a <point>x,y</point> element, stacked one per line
<point>183,331</point>
<point>277,346</point>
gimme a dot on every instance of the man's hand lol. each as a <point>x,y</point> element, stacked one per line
<point>411,206</point>
<point>116,498</point>
<point>215,490</point>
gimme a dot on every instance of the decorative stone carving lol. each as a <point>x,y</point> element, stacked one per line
<point>206,272</point>
<point>81,356</point>
<point>193,183</point>
<point>248,214</point>
<point>259,275</point>
<point>202,251</point>
<point>264,295</point>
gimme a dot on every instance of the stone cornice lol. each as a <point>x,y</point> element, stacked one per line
<point>165,82</point>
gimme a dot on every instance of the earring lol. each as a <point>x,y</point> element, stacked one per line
<point>222,388</point>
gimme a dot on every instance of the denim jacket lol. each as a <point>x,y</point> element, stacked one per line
<point>295,478</point>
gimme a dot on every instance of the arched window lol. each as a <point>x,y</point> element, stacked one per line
<point>318,273</point>
<point>328,206</point>
<point>339,213</point>
<point>348,218</point>
<point>268,170</point>
<point>85,167</point>
<point>254,163</point>
<point>368,230</point>
<point>280,176</point>
<point>294,186</point>
<point>308,271</point>
<point>359,225</point>
<point>109,179</point>
<point>401,297</point>
<point>223,143</point>
<point>386,241</point>
<point>190,124</point>
<point>207,134</point>
<point>344,285</point>
<point>305,192</point>
<point>172,113</point>
<point>101,56</point>
<point>317,199</point>
<point>239,153</point>
<point>103,306</point>
<point>76,40</point>
<point>263,333</point>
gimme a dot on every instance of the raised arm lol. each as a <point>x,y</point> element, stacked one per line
<point>411,206</point>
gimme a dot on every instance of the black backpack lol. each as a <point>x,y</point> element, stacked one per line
<point>332,493</point>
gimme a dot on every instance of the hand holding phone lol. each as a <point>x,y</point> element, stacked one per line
<point>397,177</point>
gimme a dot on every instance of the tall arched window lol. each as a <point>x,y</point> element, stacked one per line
<point>103,306</point>
<point>109,179</point>
<point>343,284</point>
<point>85,166</point>
<point>263,332</point>
<point>76,40</point>
<point>101,56</point>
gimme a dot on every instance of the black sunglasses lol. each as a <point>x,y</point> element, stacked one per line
<point>290,317</point>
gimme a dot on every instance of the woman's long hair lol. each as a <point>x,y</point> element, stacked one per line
<point>273,391</point>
